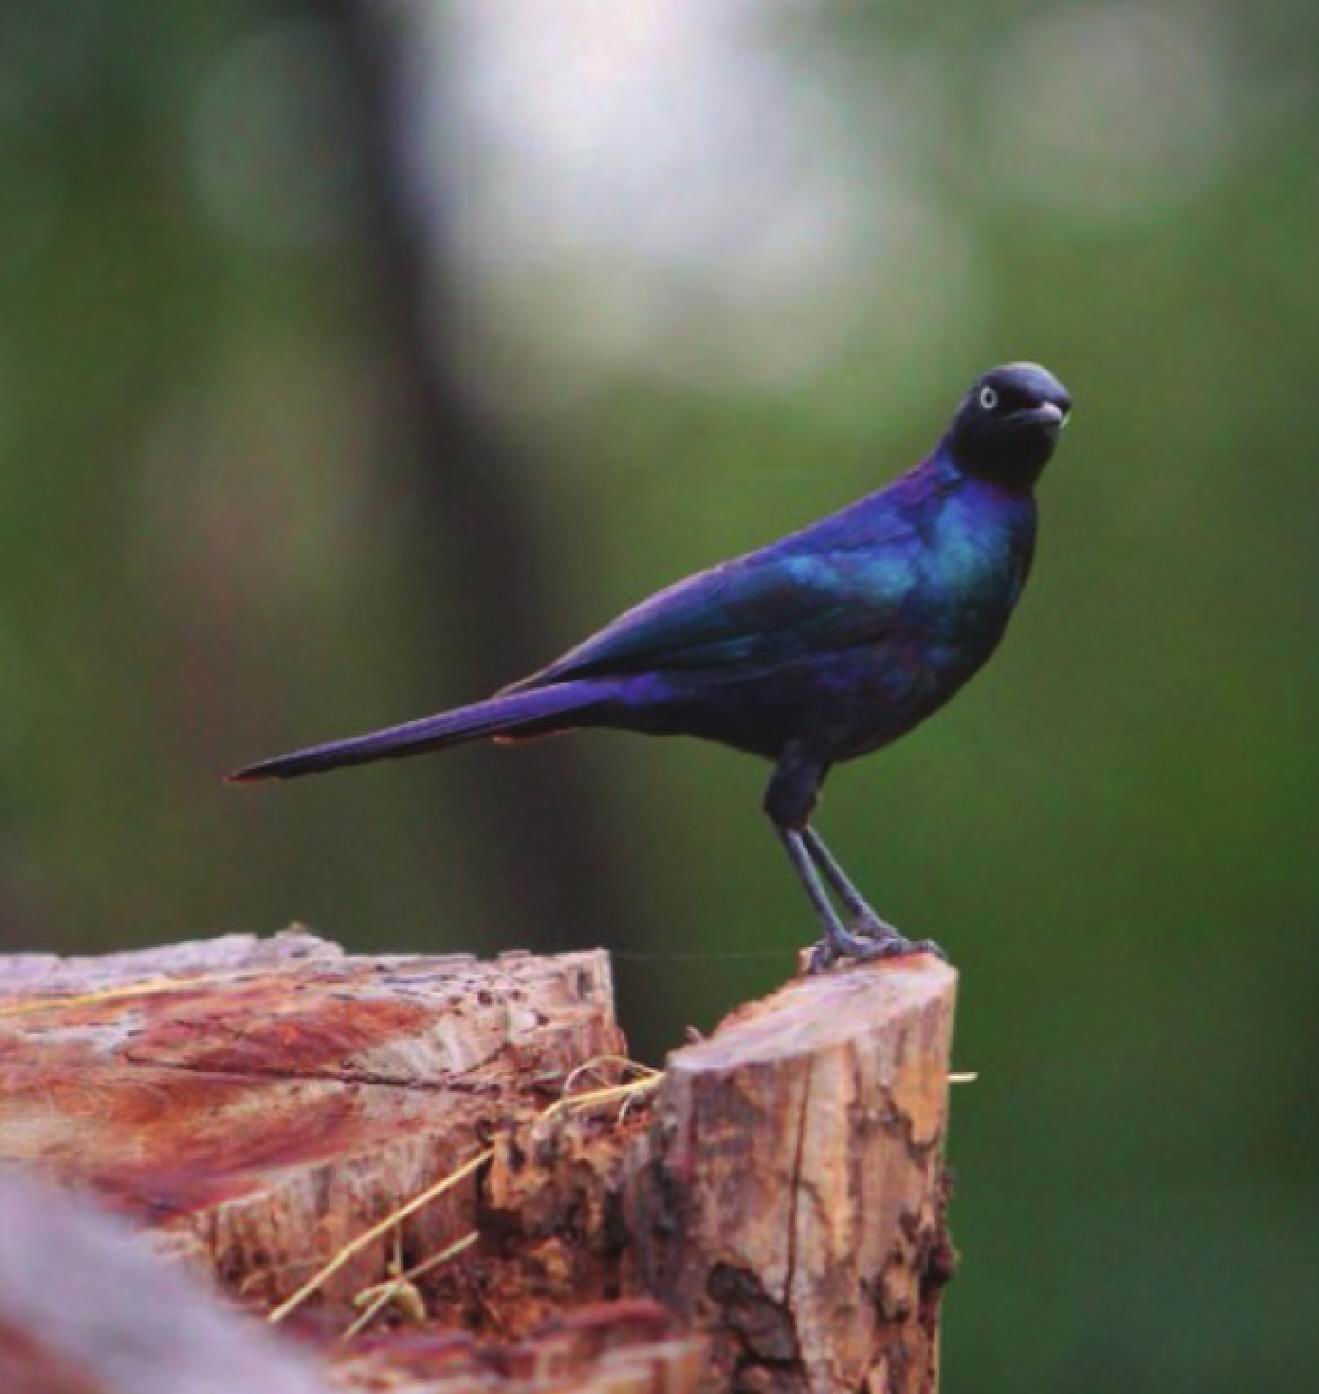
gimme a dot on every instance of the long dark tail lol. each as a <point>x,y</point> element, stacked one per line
<point>539,711</point>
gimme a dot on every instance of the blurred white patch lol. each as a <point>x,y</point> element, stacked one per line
<point>1118,110</point>
<point>662,188</point>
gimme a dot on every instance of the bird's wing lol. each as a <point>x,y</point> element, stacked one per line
<point>763,609</point>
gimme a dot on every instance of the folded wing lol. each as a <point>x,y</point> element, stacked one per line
<point>764,609</point>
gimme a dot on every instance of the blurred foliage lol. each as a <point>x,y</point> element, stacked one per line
<point>822,221</point>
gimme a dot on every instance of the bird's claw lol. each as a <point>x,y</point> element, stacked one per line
<point>890,946</point>
<point>821,957</point>
<point>825,954</point>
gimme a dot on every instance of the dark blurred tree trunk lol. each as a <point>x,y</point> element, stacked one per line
<point>475,535</point>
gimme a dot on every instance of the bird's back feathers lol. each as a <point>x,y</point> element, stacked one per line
<point>831,585</point>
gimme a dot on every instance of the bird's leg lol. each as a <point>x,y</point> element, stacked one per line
<point>789,801</point>
<point>864,921</point>
<point>837,942</point>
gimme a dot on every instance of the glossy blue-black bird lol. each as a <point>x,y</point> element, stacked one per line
<point>825,645</point>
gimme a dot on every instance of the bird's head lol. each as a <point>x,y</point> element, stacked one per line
<point>1008,424</point>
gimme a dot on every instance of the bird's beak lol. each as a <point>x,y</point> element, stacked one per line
<point>1052,413</point>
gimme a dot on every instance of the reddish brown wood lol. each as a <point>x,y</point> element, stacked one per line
<point>627,1347</point>
<point>260,1104</point>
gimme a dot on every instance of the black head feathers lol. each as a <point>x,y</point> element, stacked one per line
<point>1008,424</point>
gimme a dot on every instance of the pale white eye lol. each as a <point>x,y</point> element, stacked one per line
<point>988,398</point>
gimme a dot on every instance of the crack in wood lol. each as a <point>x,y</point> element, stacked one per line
<point>281,1075</point>
<point>794,1195</point>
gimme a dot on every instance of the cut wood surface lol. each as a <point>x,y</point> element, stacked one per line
<point>259,1103</point>
<point>768,1217</point>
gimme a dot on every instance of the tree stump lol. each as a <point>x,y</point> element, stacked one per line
<point>769,1217</point>
<point>790,1198</point>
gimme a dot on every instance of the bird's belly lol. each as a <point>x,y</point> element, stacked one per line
<point>846,703</point>
<point>895,684</point>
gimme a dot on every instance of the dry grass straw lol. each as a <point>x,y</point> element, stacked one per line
<point>377,1296</point>
<point>401,1288</point>
<point>146,987</point>
<point>355,1246</point>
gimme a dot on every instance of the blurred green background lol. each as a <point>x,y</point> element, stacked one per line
<point>356,358</point>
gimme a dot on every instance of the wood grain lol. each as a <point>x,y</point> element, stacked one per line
<point>258,1104</point>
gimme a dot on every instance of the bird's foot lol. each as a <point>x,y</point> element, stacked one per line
<point>827,953</point>
<point>820,957</point>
